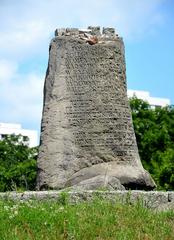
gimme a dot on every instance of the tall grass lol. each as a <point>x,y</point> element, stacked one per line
<point>98,219</point>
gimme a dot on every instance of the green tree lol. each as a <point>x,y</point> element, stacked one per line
<point>17,164</point>
<point>154,129</point>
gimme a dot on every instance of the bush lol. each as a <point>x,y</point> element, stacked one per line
<point>17,164</point>
<point>154,130</point>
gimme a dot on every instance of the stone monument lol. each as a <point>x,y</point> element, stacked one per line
<point>87,136</point>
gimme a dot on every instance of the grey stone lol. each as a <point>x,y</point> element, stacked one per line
<point>72,31</point>
<point>109,32</point>
<point>157,201</point>
<point>171,196</point>
<point>60,32</point>
<point>165,207</point>
<point>131,177</point>
<point>100,182</point>
<point>87,128</point>
<point>151,199</point>
<point>95,30</point>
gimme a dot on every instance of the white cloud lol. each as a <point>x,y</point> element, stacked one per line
<point>7,70</point>
<point>26,27</point>
<point>24,40</point>
<point>21,99</point>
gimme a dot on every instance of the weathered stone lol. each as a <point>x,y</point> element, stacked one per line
<point>165,207</point>
<point>109,32</point>
<point>171,196</point>
<point>132,177</point>
<point>87,127</point>
<point>100,182</point>
<point>60,32</point>
<point>95,30</point>
<point>151,199</point>
<point>157,201</point>
<point>72,31</point>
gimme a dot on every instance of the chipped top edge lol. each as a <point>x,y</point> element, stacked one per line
<point>92,35</point>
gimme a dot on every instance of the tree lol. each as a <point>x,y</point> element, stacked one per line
<point>17,164</point>
<point>154,130</point>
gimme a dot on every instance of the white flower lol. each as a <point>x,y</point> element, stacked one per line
<point>6,207</point>
<point>15,212</point>
<point>14,207</point>
<point>61,209</point>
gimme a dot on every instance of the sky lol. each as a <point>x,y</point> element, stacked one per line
<point>27,27</point>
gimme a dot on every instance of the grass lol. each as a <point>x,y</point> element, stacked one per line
<point>98,219</point>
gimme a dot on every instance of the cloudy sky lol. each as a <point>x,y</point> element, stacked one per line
<point>27,26</point>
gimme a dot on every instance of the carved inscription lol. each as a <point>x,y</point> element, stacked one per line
<point>97,113</point>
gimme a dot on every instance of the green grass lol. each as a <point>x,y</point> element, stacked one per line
<point>98,219</point>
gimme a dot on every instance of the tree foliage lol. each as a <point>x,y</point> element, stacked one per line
<point>17,164</point>
<point>154,129</point>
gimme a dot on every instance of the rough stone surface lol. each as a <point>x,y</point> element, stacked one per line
<point>159,201</point>
<point>87,129</point>
<point>165,207</point>
<point>171,196</point>
<point>101,182</point>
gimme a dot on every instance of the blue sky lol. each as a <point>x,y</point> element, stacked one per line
<point>27,26</point>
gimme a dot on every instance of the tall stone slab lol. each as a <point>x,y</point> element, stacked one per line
<point>87,133</point>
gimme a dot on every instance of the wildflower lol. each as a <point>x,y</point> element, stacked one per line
<point>61,209</point>
<point>6,208</point>
<point>15,212</point>
<point>14,207</point>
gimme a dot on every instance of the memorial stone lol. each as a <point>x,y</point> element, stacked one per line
<point>87,133</point>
